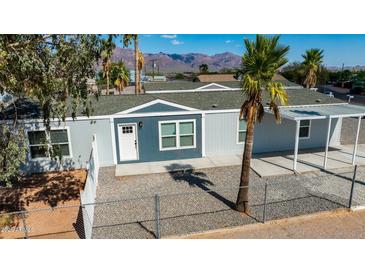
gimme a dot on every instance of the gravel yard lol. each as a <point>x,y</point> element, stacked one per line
<point>187,207</point>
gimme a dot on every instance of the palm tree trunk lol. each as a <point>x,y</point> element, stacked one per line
<point>136,73</point>
<point>242,197</point>
<point>107,82</point>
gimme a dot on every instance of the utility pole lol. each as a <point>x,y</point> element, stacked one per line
<point>153,67</point>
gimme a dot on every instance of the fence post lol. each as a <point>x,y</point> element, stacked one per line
<point>352,186</point>
<point>157,208</point>
<point>24,226</point>
<point>265,199</point>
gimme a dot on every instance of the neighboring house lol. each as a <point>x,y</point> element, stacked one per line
<point>132,76</point>
<point>211,78</point>
<point>181,121</point>
<point>187,86</point>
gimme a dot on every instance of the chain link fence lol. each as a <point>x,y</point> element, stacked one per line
<point>49,223</point>
<point>169,214</point>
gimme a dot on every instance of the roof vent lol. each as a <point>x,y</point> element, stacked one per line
<point>318,100</point>
<point>214,105</point>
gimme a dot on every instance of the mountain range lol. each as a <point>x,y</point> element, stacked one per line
<point>188,62</point>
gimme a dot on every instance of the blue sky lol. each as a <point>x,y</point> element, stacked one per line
<point>347,49</point>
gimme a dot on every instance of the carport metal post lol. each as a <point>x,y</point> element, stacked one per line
<point>356,140</point>
<point>296,145</point>
<point>327,143</point>
<point>352,187</point>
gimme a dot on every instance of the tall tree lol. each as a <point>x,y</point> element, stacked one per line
<point>261,60</point>
<point>51,70</point>
<point>119,76</point>
<point>12,153</point>
<point>127,40</point>
<point>313,58</point>
<point>108,47</point>
<point>203,68</point>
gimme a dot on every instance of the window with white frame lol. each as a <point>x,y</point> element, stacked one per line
<point>304,128</point>
<point>40,144</point>
<point>241,131</point>
<point>177,134</point>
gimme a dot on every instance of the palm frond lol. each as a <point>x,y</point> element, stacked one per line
<point>275,109</point>
<point>260,113</point>
<point>277,93</point>
<point>244,110</point>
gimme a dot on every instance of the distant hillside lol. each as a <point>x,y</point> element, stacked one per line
<point>189,62</point>
<point>352,68</point>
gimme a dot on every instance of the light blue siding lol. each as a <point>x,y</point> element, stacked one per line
<point>221,136</point>
<point>270,136</point>
<point>81,134</point>
<point>148,139</point>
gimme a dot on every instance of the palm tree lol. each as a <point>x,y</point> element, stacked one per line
<point>312,61</point>
<point>106,54</point>
<point>127,40</point>
<point>203,68</point>
<point>262,59</point>
<point>120,76</point>
<point>140,66</point>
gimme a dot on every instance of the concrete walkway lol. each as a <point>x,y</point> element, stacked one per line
<point>177,165</point>
<point>265,165</point>
<point>340,224</point>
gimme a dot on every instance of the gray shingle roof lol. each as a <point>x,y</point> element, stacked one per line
<point>203,100</point>
<point>186,85</point>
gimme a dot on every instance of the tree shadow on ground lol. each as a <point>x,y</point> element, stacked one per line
<point>51,189</point>
<point>186,173</point>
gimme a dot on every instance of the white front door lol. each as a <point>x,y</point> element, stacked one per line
<point>128,142</point>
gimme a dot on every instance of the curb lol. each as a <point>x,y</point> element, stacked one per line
<point>357,208</point>
<point>259,225</point>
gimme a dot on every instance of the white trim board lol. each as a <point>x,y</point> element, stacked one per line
<point>177,135</point>
<point>213,84</point>
<point>171,113</point>
<point>154,102</point>
<point>119,125</point>
<point>114,147</point>
<point>32,129</point>
<point>189,90</point>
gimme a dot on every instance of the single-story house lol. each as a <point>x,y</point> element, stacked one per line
<point>182,121</point>
<point>211,78</point>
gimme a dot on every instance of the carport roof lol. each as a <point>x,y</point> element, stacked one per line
<point>322,112</point>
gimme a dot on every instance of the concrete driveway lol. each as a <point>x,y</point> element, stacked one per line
<point>279,164</point>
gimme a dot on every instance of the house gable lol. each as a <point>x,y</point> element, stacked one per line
<point>213,86</point>
<point>157,105</point>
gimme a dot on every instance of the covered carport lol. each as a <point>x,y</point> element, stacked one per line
<point>327,112</point>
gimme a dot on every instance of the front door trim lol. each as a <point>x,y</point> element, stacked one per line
<point>119,141</point>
